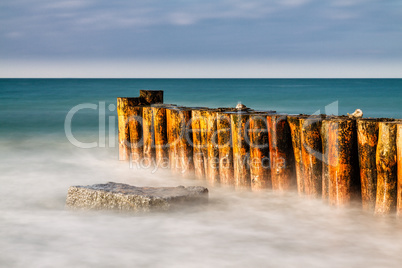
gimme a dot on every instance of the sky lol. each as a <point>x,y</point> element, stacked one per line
<point>208,38</point>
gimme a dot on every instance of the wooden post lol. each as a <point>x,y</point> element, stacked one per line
<point>241,149</point>
<point>367,137</point>
<point>399,169</point>
<point>212,147</point>
<point>148,136</point>
<point>281,153</point>
<point>184,151</point>
<point>123,109</point>
<point>260,170</point>
<point>226,174</point>
<point>160,134</point>
<point>325,166</point>
<point>173,127</point>
<point>344,179</point>
<point>295,130</point>
<point>136,134</point>
<point>386,163</point>
<point>123,105</point>
<point>200,148</point>
<point>151,96</point>
<point>312,155</point>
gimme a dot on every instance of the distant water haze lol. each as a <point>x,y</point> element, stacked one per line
<point>263,229</point>
<point>200,68</point>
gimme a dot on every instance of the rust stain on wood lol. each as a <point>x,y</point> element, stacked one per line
<point>399,168</point>
<point>312,155</point>
<point>260,170</point>
<point>281,153</point>
<point>386,163</point>
<point>160,135</point>
<point>344,179</point>
<point>148,136</point>
<point>241,149</point>
<point>226,172</point>
<point>295,130</point>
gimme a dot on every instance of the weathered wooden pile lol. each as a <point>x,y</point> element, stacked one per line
<point>337,158</point>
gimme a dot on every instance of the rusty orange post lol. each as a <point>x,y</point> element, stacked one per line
<point>367,137</point>
<point>295,130</point>
<point>184,151</point>
<point>260,170</point>
<point>311,146</point>
<point>124,111</point>
<point>173,137</point>
<point>148,136</point>
<point>325,166</point>
<point>281,153</point>
<point>195,125</point>
<point>386,162</point>
<point>160,134</point>
<point>241,149</point>
<point>123,105</point>
<point>136,133</point>
<point>204,139</point>
<point>226,174</point>
<point>212,173</point>
<point>200,146</point>
<point>399,168</point>
<point>344,179</point>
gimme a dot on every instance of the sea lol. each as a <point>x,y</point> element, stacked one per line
<point>55,133</point>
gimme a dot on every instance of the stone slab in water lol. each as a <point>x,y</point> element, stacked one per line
<point>119,196</point>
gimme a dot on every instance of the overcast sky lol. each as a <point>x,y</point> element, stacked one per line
<point>208,38</point>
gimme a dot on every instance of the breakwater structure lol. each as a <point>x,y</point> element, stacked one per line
<point>343,160</point>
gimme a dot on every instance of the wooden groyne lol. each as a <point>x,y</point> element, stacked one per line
<point>342,159</point>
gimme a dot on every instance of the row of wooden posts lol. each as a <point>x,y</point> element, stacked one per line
<point>340,159</point>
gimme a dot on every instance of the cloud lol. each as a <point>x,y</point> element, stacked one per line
<point>348,3</point>
<point>70,4</point>
<point>14,35</point>
<point>294,3</point>
<point>199,29</point>
<point>151,12</point>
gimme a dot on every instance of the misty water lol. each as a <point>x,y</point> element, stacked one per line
<point>236,228</point>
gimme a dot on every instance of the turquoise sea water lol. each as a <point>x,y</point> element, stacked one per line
<point>36,105</point>
<point>38,164</point>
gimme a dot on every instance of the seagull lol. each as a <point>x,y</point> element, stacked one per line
<point>357,114</point>
<point>241,106</point>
